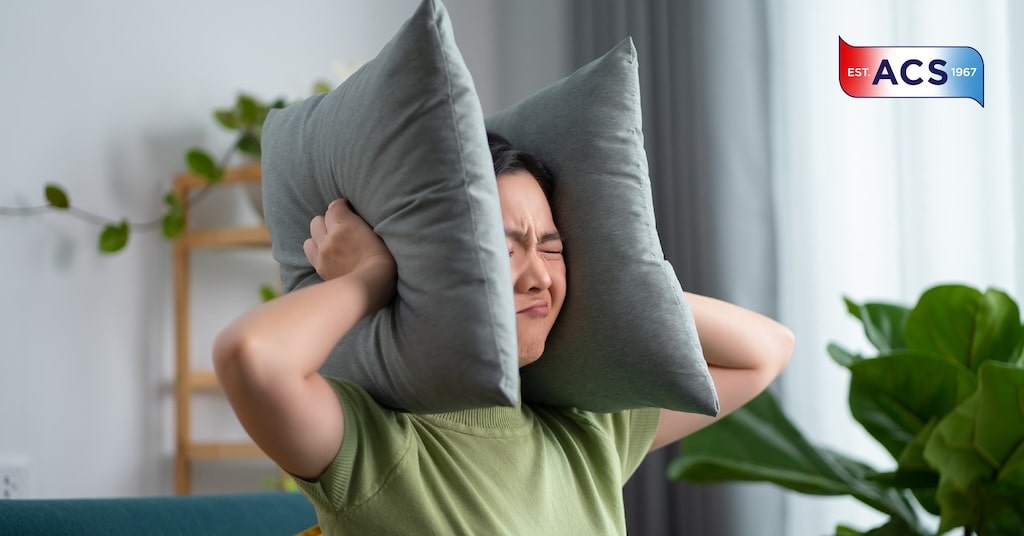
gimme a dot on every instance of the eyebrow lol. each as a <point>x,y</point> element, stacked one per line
<point>520,236</point>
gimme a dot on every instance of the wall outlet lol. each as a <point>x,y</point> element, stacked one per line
<point>13,479</point>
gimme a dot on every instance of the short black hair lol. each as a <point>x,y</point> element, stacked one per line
<point>508,159</point>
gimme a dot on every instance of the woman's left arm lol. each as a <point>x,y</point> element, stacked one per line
<point>745,352</point>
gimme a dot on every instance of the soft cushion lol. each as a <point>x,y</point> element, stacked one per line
<point>403,140</point>
<point>626,336</point>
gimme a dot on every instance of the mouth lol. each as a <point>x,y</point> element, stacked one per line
<point>535,309</point>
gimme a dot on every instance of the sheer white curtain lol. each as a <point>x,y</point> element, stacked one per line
<point>878,199</point>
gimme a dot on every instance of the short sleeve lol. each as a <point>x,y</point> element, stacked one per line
<point>358,471</point>
<point>632,432</point>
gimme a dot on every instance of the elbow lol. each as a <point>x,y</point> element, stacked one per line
<point>228,356</point>
<point>782,349</point>
<point>235,360</point>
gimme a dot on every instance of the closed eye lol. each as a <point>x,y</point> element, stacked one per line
<point>551,254</point>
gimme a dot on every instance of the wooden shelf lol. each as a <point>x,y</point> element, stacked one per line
<point>224,451</point>
<point>228,237</point>
<point>235,175</point>
<point>186,379</point>
<point>203,380</point>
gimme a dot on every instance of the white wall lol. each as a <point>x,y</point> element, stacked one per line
<point>104,97</point>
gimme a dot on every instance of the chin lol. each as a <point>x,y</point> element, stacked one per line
<point>530,354</point>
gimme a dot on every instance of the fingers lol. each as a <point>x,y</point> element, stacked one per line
<point>338,211</point>
<point>317,229</point>
<point>311,250</point>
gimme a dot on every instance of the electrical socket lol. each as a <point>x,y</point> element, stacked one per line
<point>13,479</point>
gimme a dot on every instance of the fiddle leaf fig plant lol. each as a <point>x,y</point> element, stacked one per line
<point>944,396</point>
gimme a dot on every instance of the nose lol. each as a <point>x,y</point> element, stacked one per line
<point>532,275</point>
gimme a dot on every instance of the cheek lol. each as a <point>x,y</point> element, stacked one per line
<point>558,283</point>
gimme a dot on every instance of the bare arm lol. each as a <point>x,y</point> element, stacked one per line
<point>745,351</point>
<point>267,360</point>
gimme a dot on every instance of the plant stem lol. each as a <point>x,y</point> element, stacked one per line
<point>89,216</point>
<point>96,218</point>
<point>22,211</point>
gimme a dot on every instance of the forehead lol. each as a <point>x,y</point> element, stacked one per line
<point>523,204</point>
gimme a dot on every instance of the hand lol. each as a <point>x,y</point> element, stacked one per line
<point>341,243</point>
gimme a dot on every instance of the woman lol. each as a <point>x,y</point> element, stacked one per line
<point>522,470</point>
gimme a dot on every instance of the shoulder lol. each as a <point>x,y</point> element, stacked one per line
<point>640,421</point>
<point>376,439</point>
<point>629,432</point>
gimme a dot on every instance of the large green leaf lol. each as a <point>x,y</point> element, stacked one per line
<point>883,323</point>
<point>911,461</point>
<point>890,399</point>
<point>965,325</point>
<point>758,443</point>
<point>979,450</point>
<point>999,425</point>
<point>895,527</point>
<point>842,356</point>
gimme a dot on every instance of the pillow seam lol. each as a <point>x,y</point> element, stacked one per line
<point>464,176</point>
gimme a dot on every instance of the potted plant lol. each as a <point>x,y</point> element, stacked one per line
<point>944,395</point>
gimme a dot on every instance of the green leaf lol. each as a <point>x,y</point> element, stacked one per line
<point>843,356</point>
<point>267,293</point>
<point>249,143</point>
<point>889,398</point>
<point>999,424</point>
<point>56,197</point>
<point>883,323</point>
<point>1019,351</point>
<point>226,118</point>
<point>279,103</point>
<point>321,87</point>
<point>174,219</point>
<point>113,238</point>
<point>203,165</point>
<point>965,325</point>
<point>248,110</point>
<point>979,451</point>
<point>173,225</point>
<point>895,527</point>
<point>907,479</point>
<point>911,460</point>
<point>759,443</point>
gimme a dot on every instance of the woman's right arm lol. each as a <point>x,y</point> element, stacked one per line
<point>267,360</point>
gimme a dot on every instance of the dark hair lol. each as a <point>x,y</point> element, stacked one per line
<point>509,160</point>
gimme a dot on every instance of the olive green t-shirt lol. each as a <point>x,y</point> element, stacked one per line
<point>525,470</point>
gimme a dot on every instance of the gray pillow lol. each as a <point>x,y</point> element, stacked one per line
<point>403,140</point>
<point>625,337</point>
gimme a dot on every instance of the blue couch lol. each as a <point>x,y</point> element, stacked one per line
<point>268,513</point>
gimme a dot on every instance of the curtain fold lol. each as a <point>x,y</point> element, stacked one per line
<point>703,68</point>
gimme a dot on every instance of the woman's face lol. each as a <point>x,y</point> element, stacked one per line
<point>538,269</point>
